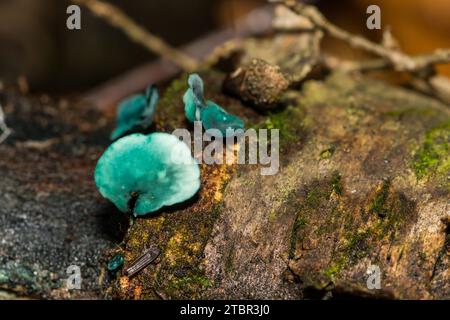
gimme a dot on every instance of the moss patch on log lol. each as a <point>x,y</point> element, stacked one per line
<point>433,156</point>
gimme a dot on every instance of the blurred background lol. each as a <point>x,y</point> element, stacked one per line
<point>35,43</point>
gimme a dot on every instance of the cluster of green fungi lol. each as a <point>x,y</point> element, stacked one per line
<point>142,173</point>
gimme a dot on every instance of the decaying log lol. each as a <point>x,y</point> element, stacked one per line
<point>355,188</point>
<point>363,180</point>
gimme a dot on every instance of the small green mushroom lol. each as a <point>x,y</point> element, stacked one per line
<point>209,113</point>
<point>136,112</point>
<point>214,117</point>
<point>116,262</point>
<point>143,173</point>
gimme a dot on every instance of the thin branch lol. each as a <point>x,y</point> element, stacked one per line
<point>437,86</point>
<point>421,67</point>
<point>257,22</point>
<point>388,40</point>
<point>394,58</point>
<point>433,85</point>
<point>440,56</point>
<point>420,61</point>
<point>117,18</point>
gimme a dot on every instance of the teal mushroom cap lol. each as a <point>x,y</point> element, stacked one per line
<point>215,117</point>
<point>116,262</point>
<point>136,112</point>
<point>211,115</point>
<point>143,173</point>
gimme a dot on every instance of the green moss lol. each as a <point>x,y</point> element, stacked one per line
<point>171,109</point>
<point>272,215</point>
<point>189,286</point>
<point>336,184</point>
<point>335,90</point>
<point>196,280</point>
<point>433,156</point>
<point>327,153</point>
<point>392,210</point>
<point>396,211</point>
<point>410,112</point>
<point>422,256</point>
<point>175,90</point>
<point>330,213</point>
<point>379,202</point>
<point>334,269</point>
<point>290,122</point>
<point>316,195</point>
<point>299,223</point>
<point>357,245</point>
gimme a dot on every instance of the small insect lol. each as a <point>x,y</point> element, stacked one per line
<point>144,260</point>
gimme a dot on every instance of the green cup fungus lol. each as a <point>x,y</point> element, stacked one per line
<point>143,173</point>
<point>211,115</point>
<point>136,112</point>
<point>116,262</point>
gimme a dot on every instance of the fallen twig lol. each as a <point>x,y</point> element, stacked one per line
<point>394,57</point>
<point>421,67</point>
<point>256,22</point>
<point>420,61</point>
<point>137,33</point>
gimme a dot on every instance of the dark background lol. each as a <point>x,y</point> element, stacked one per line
<point>35,43</point>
